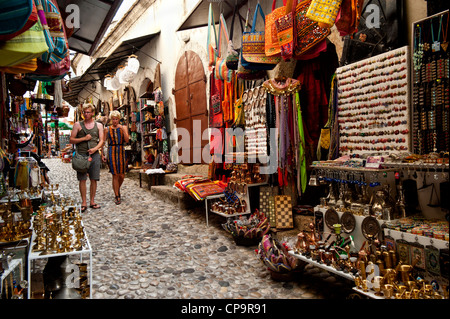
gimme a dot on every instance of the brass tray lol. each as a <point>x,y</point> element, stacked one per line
<point>348,222</point>
<point>331,217</point>
<point>370,227</point>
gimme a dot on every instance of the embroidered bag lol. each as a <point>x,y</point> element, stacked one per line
<point>253,47</point>
<point>309,33</point>
<point>215,107</point>
<point>272,46</point>
<point>324,11</point>
<point>285,26</point>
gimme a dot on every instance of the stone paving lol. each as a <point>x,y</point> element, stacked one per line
<point>146,248</point>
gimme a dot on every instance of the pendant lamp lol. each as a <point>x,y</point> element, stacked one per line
<point>133,64</point>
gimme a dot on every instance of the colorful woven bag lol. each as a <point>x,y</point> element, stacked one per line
<point>16,17</point>
<point>221,70</point>
<point>55,35</point>
<point>25,67</point>
<point>24,47</point>
<point>324,11</point>
<point>309,33</point>
<point>285,26</point>
<point>253,47</point>
<point>272,46</point>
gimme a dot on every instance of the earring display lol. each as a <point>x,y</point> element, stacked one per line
<point>373,104</point>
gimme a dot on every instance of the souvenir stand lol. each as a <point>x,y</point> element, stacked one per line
<point>366,228</point>
<point>35,219</point>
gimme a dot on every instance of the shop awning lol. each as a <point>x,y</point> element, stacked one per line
<point>95,18</point>
<point>198,17</point>
<point>102,66</point>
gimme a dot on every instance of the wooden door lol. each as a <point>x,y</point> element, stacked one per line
<point>191,106</point>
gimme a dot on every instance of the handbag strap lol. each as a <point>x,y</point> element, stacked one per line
<point>232,22</point>
<point>83,127</point>
<point>222,29</point>
<point>255,16</point>
<point>211,24</point>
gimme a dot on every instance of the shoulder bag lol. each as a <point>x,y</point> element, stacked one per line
<point>324,11</point>
<point>272,46</point>
<point>24,47</point>
<point>285,26</point>
<point>308,32</point>
<point>221,71</point>
<point>80,162</point>
<point>16,17</point>
<point>55,35</point>
<point>253,47</point>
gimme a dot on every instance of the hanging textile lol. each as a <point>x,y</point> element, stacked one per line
<point>291,140</point>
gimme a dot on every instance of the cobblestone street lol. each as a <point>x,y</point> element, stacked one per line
<point>146,248</point>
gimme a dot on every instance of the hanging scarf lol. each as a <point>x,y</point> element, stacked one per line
<point>301,166</point>
<point>287,137</point>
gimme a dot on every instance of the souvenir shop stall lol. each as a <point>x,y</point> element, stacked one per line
<point>37,223</point>
<point>341,166</point>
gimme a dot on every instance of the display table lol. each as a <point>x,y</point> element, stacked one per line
<point>33,256</point>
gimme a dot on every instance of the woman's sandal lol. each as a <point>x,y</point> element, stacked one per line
<point>83,209</point>
<point>117,201</point>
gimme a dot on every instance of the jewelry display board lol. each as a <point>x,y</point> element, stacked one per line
<point>373,104</point>
<point>430,96</point>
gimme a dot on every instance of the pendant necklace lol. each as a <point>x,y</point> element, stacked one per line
<point>436,45</point>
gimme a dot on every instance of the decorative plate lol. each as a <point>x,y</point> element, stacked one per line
<point>370,227</point>
<point>244,97</point>
<point>348,222</point>
<point>331,218</point>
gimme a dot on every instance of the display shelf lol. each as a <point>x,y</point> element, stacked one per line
<point>352,169</point>
<point>413,238</point>
<point>36,255</point>
<point>358,237</point>
<point>322,266</point>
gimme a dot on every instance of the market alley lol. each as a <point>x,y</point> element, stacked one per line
<point>146,248</point>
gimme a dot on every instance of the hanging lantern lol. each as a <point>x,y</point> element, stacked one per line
<point>133,63</point>
<point>107,81</point>
<point>126,76</point>
<point>115,84</point>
